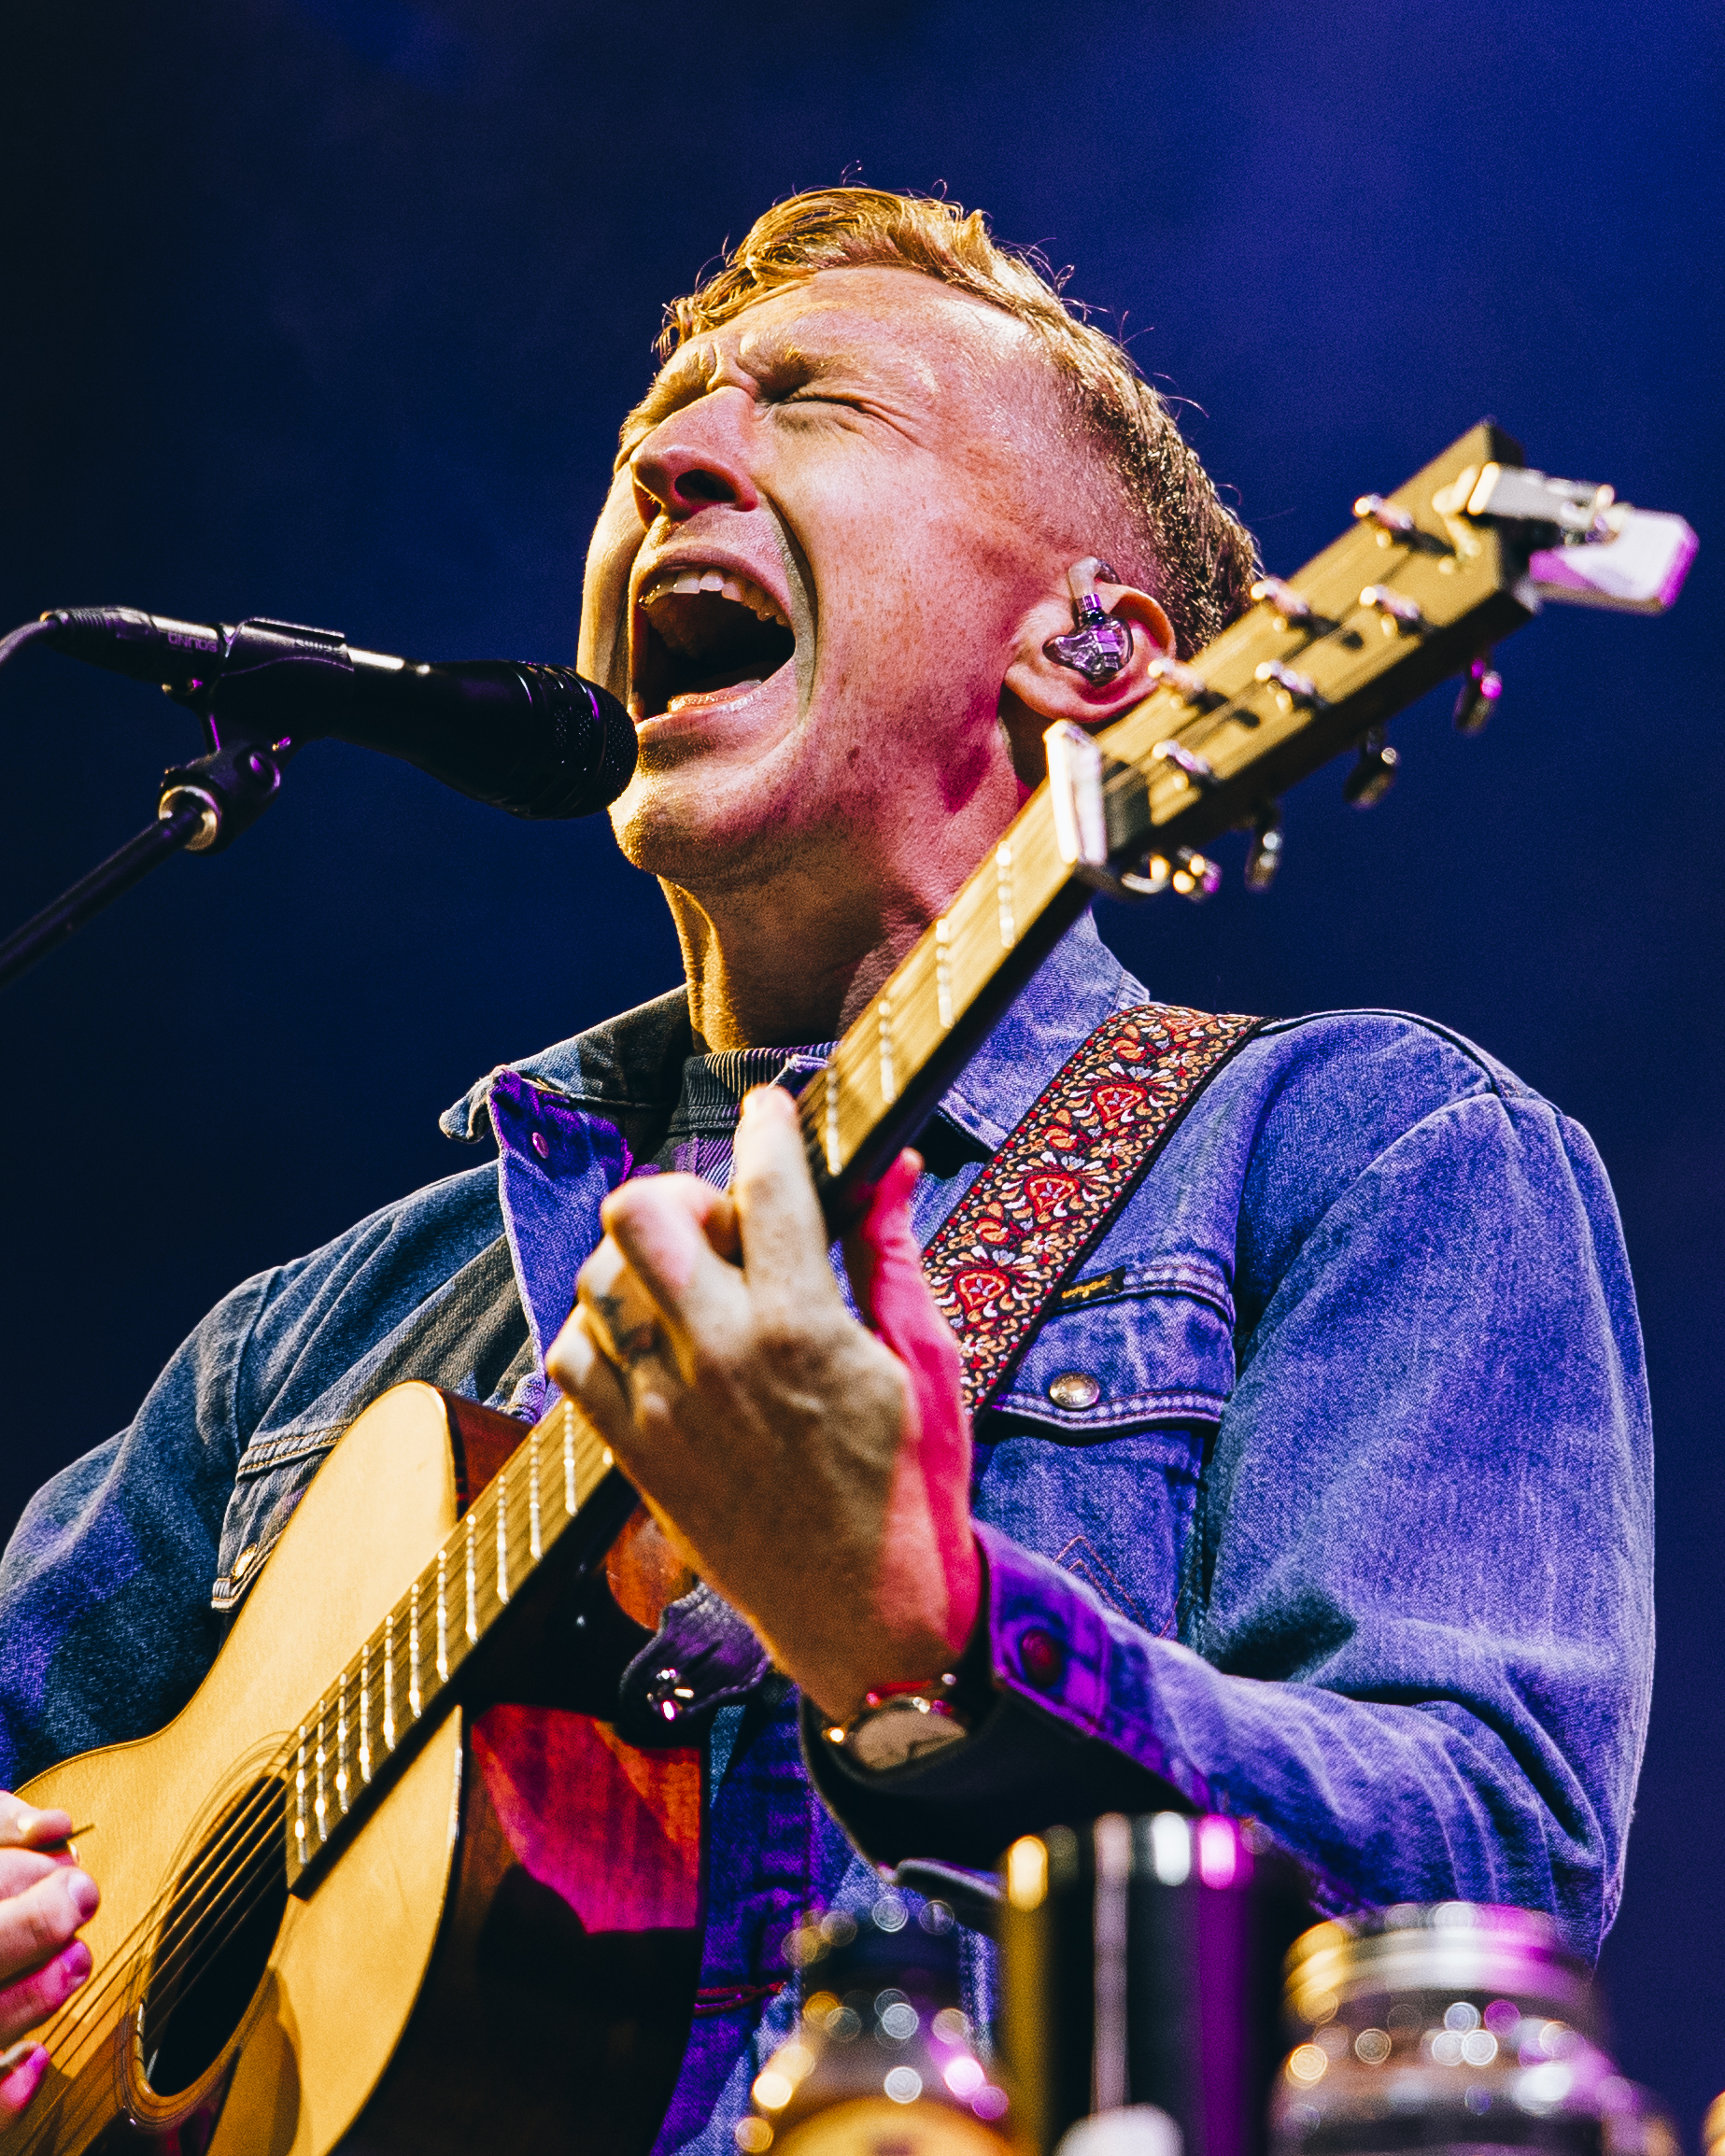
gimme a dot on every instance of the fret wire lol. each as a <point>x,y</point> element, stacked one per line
<point>320,1808</point>
<point>388,1678</point>
<point>943,971</point>
<point>532,1495</point>
<point>1003,891</point>
<point>586,1459</point>
<point>835,1149</point>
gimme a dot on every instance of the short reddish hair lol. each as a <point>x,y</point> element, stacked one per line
<point>1198,556</point>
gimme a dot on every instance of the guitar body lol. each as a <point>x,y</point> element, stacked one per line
<point>429,1993</point>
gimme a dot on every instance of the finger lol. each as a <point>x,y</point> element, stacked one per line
<point>713,1209</point>
<point>665,1237</point>
<point>38,1922</point>
<point>622,1319</point>
<point>20,1868</point>
<point>580,1369</point>
<point>22,1827</point>
<point>892,1290</point>
<point>22,2069</point>
<point>881,1239</point>
<point>33,1999</point>
<point>784,1239</point>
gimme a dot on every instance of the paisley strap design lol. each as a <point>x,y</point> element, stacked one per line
<point>1048,1196</point>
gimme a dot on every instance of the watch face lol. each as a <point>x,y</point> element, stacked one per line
<point>901,1730</point>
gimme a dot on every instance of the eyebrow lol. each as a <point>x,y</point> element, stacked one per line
<point>682,378</point>
<point>769,353</point>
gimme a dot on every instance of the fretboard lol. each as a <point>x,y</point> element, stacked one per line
<point>558,1500</point>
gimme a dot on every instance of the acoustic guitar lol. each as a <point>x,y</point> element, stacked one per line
<point>313,1931</point>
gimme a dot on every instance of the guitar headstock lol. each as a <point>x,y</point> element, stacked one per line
<point>1428,579</point>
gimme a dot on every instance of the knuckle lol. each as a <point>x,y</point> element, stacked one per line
<point>709,1364</point>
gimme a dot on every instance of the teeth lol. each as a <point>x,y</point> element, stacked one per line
<point>741,590</point>
<point>736,690</point>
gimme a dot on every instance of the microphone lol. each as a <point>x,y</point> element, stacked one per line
<point>538,741</point>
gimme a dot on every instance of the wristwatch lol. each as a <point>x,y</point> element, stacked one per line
<point>900,1724</point>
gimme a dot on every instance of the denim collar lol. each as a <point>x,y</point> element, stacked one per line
<point>629,1069</point>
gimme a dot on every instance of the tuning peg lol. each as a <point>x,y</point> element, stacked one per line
<point>1291,610</point>
<point>1194,876</point>
<point>1481,687</point>
<point>1396,615</point>
<point>1185,681</point>
<point>1392,519</point>
<point>1294,687</point>
<point>1196,768</point>
<point>1374,774</point>
<point>1264,854</point>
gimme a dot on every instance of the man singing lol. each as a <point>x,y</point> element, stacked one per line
<point>1325,1497</point>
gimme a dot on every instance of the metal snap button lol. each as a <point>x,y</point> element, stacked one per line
<point>1074,1388</point>
<point>542,1145</point>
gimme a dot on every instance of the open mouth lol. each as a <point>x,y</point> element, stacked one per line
<point>705,633</point>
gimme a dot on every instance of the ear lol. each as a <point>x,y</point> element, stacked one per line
<point>1038,689</point>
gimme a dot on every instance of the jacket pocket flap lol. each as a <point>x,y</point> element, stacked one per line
<point>1153,1344</point>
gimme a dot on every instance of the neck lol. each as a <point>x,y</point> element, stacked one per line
<point>791,961</point>
<point>795,955</point>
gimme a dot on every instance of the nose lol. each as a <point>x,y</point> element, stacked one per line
<point>683,467</point>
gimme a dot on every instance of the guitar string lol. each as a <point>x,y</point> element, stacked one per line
<point>219,1866</point>
<point>187,1937</point>
<point>184,1937</point>
<point>76,2010</point>
<point>193,1938</point>
<point>80,2015</point>
<point>80,2012</point>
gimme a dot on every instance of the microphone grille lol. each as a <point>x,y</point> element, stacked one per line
<point>595,745</point>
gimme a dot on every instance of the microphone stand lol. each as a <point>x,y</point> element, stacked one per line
<point>204,806</point>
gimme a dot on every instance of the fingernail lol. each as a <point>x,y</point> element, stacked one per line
<point>86,1894</point>
<point>19,2054</point>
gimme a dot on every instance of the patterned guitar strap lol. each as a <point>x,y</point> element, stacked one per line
<point>1041,1206</point>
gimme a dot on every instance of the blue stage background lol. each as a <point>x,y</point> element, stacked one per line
<point>329,310</point>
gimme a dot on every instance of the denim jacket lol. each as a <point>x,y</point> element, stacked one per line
<point>1355,1538</point>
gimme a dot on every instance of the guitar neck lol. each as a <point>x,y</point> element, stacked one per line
<point>885,1077</point>
<point>546,1518</point>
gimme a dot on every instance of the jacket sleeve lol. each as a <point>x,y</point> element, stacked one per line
<point>106,1626</point>
<point>1415,1635</point>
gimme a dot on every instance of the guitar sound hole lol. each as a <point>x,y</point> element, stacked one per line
<point>214,1944</point>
